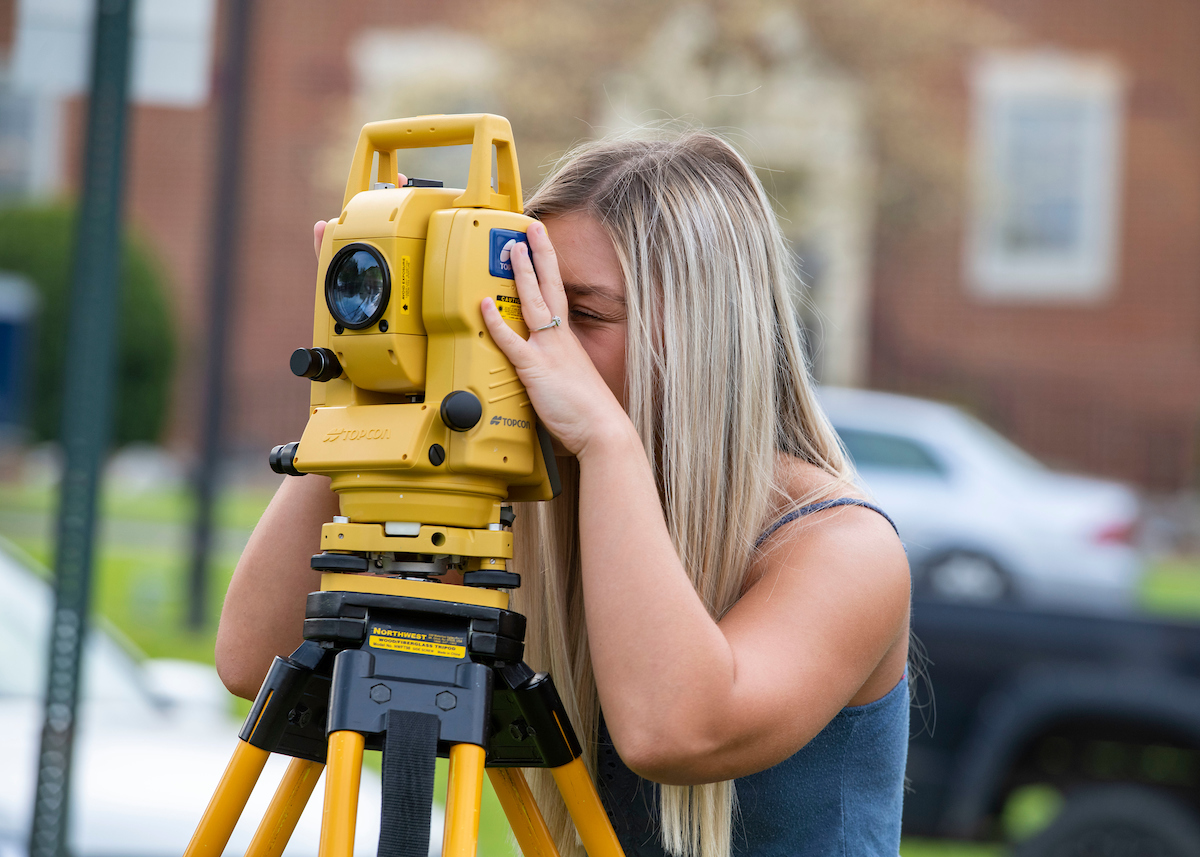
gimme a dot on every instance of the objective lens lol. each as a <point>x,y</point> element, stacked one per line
<point>357,286</point>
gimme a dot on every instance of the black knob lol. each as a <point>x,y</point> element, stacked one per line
<point>491,579</point>
<point>283,459</point>
<point>319,364</point>
<point>507,516</point>
<point>461,411</point>
<point>436,455</point>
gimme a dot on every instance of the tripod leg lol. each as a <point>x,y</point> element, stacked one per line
<point>341,794</point>
<point>583,803</point>
<point>521,810</point>
<point>281,816</point>
<point>462,801</point>
<point>228,801</point>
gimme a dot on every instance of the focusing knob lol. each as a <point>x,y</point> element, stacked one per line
<point>319,364</point>
<point>491,579</point>
<point>283,459</point>
<point>461,411</point>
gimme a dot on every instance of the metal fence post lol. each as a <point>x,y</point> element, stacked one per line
<point>87,411</point>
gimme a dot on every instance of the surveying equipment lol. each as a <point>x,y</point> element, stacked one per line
<point>427,434</point>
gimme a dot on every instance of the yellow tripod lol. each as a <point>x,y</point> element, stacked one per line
<point>414,668</point>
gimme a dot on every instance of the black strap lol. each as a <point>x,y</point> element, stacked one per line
<point>409,754</point>
<point>820,507</point>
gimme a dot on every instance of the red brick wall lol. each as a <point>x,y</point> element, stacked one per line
<point>168,191</point>
<point>1111,388</point>
<point>298,83</point>
<point>8,20</point>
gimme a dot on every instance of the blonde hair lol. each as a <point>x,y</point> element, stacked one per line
<point>717,386</point>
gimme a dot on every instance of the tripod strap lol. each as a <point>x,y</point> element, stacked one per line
<point>409,754</point>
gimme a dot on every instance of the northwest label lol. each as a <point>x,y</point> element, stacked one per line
<point>510,307</point>
<point>405,284</point>
<point>418,643</point>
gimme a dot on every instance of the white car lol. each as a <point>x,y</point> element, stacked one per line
<point>153,740</point>
<point>981,519</point>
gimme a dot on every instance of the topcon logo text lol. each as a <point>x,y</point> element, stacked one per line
<point>511,423</point>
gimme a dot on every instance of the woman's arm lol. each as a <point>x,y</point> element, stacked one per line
<point>263,614</point>
<point>688,700</point>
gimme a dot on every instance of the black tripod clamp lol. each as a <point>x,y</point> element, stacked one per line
<point>415,676</point>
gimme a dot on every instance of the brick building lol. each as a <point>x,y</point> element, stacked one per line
<point>1035,254</point>
<point>1087,348</point>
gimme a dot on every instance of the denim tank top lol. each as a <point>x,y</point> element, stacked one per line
<point>840,794</point>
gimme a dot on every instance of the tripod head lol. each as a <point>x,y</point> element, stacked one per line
<point>416,415</point>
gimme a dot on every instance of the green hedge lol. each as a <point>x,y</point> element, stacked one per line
<point>37,241</point>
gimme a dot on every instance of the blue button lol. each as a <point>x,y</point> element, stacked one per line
<point>502,243</point>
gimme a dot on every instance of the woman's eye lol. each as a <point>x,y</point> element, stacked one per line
<point>584,315</point>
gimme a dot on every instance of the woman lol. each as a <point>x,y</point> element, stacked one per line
<point>719,607</point>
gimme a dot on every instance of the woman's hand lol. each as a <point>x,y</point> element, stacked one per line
<point>319,235</point>
<point>570,396</point>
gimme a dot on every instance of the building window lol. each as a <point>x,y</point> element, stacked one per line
<point>30,136</point>
<point>1046,159</point>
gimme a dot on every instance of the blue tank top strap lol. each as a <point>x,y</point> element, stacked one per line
<point>821,507</point>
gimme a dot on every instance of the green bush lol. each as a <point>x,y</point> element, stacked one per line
<point>37,241</point>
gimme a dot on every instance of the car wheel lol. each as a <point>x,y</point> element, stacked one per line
<point>1118,821</point>
<point>965,576</point>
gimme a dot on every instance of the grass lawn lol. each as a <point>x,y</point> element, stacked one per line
<point>140,586</point>
<point>1173,588</point>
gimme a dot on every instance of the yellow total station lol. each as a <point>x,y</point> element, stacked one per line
<point>416,415</point>
<point>426,432</point>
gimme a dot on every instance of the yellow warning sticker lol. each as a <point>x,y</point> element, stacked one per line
<point>417,643</point>
<point>510,307</point>
<point>405,284</point>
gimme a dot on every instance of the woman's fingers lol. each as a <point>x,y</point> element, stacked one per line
<point>509,341</point>
<point>318,236</point>
<point>541,291</point>
<point>534,308</point>
<point>547,263</point>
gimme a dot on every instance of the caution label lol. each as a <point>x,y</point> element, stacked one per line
<point>510,307</point>
<point>406,284</point>
<point>418,643</point>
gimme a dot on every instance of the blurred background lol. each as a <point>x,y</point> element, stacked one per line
<point>996,207</point>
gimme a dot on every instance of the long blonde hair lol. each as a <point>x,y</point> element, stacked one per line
<point>718,388</point>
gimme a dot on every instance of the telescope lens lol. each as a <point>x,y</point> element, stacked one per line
<point>357,286</point>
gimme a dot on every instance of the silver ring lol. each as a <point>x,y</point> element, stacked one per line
<point>554,322</point>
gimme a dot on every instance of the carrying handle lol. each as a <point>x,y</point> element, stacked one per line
<point>480,130</point>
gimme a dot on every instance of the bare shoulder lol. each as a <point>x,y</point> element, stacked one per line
<point>857,533</point>
<point>843,550</point>
<point>835,583</point>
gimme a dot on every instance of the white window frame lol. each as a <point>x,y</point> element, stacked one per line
<point>31,148</point>
<point>172,49</point>
<point>1086,272</point>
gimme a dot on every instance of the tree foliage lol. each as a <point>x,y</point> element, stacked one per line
<point>37,242</point>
